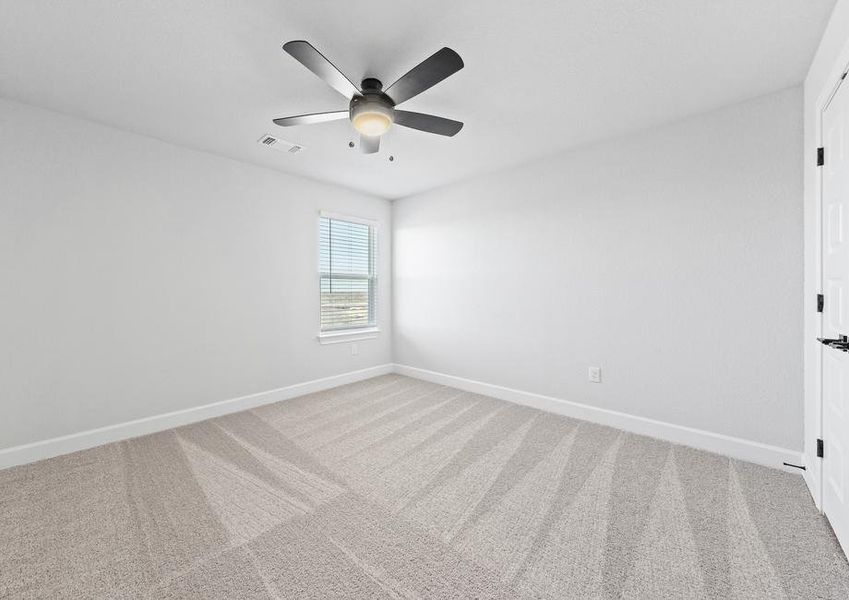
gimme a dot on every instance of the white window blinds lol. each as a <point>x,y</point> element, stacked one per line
<point>347,259</point>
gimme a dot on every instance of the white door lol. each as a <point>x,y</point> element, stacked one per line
<point>835,287</point>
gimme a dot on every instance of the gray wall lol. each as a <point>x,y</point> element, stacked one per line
<point>671,258</point>
<point>138,278</point>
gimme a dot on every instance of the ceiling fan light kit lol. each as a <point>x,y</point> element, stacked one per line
<point>372,110</point>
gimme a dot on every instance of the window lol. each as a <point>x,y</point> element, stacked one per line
<point>348,282</point>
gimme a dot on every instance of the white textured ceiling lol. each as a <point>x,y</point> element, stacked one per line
<point>540,76</point>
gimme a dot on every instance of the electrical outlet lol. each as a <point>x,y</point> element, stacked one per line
<point>354,350</point>
<point>595,374</point>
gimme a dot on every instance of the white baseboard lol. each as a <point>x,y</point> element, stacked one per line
<point>763,454</point>
<point>750,451</point>
<point>66,444</point>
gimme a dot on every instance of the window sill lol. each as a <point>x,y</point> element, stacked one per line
<point>353,335</point>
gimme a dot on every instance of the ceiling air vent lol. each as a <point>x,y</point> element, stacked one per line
<point>279,145</point>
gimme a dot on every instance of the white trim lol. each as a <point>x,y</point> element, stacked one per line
<point>66,444</point>
<point>348,335</point>
<point>756,452</point>
<point>344,217</point>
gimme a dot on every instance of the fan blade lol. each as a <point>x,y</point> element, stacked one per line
<point>425,75</point>
<point>316,62</point>
<point>369,144</point>
<point>429,123</point>
<point>310,119</point>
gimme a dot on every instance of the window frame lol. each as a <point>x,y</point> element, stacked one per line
<point>365,332</point>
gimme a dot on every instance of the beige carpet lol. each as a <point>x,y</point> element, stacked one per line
<point>396,488</point>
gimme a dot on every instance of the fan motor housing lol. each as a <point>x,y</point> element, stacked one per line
<point>372,109</point>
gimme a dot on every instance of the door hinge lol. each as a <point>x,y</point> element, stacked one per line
<point>820,302</point>
<point>820,157</point>
<point>819,448</point>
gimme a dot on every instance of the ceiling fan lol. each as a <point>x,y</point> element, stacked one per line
<point>372,110</point>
